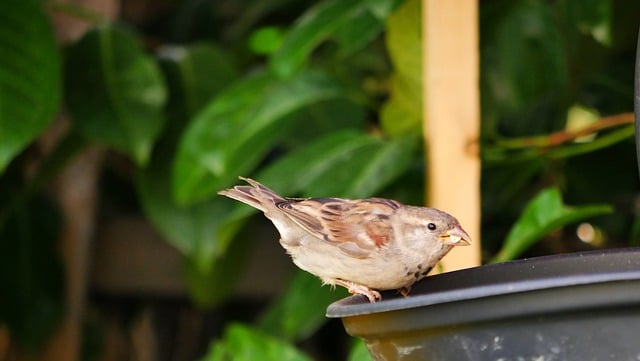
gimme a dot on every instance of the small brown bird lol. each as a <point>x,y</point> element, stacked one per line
<point>364,245</point>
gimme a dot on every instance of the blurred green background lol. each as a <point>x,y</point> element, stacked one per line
<point>167,102</point>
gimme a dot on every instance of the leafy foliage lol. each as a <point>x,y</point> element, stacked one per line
<point>30,274</point>
<point>544,214</point>
<point>242,343</point>
<point>402,113</point>
<point>352,24</point>
<point>213,152</point>
<point>313,100</point>
<point>300,311</point>
<point>359,352</point>
<point>29,76</point>
<point>124,107</point>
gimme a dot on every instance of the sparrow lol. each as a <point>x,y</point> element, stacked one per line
<point>364,245</point>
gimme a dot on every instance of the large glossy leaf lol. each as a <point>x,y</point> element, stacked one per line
<point>29,75</point>
<point>366,21</point>
<point>115,92</point>
<point>544,214</point>
<point>321,119</point>
<point>353,23</point>
<point>365,170</point>
<point>300,311</point>
<point>346,163</point>
<point>212,276</point>
<point>189,228</point>
<point>402,113</point>
<point>244,343</point>
<point>194,75</point>
<point>201,232</point>
<point>378,168</point>
<point>313,160</point>
<point>308,164</point>
<point>31,274</point>
<point>231,135</point>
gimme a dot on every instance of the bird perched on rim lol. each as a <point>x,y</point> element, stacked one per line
<point>365,245</point>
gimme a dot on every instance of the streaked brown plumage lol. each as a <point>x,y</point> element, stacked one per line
<point>365,245</point>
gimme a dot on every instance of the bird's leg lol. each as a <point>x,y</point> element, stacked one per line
<point>404,291</point>
<point>355,288</point>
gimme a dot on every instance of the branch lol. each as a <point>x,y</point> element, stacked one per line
<point>564,136</point>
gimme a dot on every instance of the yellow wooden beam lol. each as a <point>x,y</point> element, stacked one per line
<point>451,117</point>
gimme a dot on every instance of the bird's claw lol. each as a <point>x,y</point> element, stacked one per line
<point>404,291</point>
<point>359,289</point>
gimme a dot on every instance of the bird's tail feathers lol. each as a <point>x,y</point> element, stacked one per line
<point>255,194</point>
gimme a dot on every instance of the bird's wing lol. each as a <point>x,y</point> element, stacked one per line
<point>357,227</point>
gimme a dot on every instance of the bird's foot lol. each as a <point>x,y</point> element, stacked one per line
<point>359,289</point>
<point>404,291</point>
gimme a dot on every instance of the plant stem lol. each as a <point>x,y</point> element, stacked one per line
<point>555,145</point>
<point>564,136</point>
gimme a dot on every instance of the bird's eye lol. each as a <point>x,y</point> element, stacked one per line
<point>431,226</point>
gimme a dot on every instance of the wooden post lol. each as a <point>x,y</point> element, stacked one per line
<point>451,117</point>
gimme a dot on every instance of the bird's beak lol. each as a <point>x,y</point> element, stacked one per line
<point>456,237</point>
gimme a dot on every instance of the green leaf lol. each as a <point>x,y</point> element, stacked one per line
<point>201,232</point>
<point>234,133</point>
<point>367,20</point>
<point>195,74</point>
<point>212,277</point>
<point>396,120</point>
<point>591,17</point>
<point>402,113</point>
<point>189,228</point>
<point>544,214</point>
<point>29,76</point>
<point>310,162</point>
<point>315,26</point>
<point>359,352</point>
<point>244,343</point>
<point>31,274</point>
<point>321,119</point>
<point>345,164</point>
<point>115,92</point>
<point>517,47</point>
<point>365,170</point>
<point>353,23</point>
<point>380,167</point>
<point>300,311</point>
<point>266,40</point>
